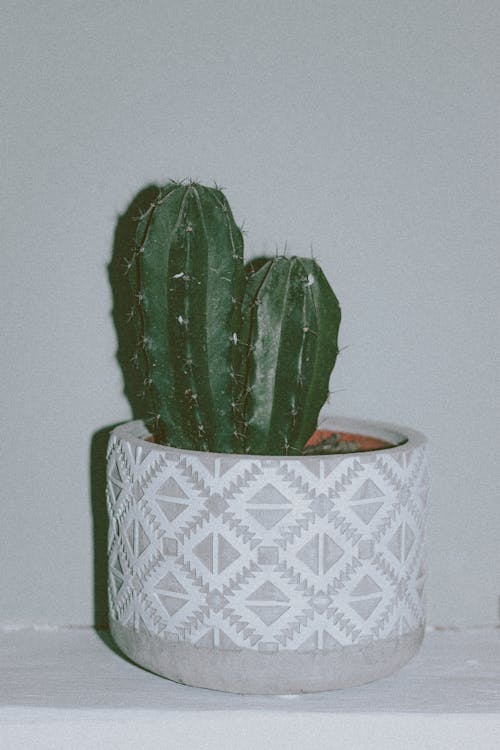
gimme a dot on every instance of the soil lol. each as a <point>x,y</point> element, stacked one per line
<point>327,441</point>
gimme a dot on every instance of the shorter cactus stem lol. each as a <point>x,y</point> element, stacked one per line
<point>290,324</point>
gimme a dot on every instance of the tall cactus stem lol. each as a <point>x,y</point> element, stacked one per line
<point>189,275</point>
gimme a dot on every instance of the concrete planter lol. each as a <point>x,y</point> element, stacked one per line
<point>257,574</point>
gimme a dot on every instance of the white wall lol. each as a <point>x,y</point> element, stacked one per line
<point>367,129</point>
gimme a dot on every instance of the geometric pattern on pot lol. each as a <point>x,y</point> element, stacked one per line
<point>246,552</point>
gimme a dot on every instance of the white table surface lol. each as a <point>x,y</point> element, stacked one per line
<point>69,688</point>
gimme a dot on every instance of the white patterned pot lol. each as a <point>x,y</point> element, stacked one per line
<point>257,574</point>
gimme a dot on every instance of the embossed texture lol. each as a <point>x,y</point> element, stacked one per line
<point>298,554</point>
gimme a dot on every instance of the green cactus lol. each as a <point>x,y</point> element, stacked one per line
<point>287,350</point>
<point>229,365</point>
<point>188,277</point>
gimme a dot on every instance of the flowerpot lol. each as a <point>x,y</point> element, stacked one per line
<point>256,574</point>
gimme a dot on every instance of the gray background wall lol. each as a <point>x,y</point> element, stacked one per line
<point>367,129</point>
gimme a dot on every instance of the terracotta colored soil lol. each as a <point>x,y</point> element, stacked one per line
<point>365,442</point>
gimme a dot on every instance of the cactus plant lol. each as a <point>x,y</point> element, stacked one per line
<point>188,277</point>
<point>231,365</point>
<point>288,348</point>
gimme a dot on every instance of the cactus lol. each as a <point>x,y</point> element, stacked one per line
<point>188,277</point>
<point>229,364</point>
<point>287,350</point>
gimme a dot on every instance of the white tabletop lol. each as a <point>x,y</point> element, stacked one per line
<point>69,688</point>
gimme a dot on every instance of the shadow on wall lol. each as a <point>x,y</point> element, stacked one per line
<point>122,304</point>
<point>123,297</point>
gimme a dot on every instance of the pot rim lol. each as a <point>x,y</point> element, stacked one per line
<point>406,438</point>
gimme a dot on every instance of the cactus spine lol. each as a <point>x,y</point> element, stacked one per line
<point>287,350</point>
<point>189,280</point>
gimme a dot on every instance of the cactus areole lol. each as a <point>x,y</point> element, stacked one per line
<point>231,363</point>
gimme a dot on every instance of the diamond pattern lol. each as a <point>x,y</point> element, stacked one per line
<point>267,554</point>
